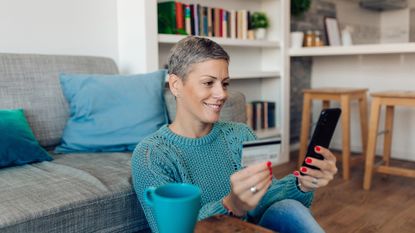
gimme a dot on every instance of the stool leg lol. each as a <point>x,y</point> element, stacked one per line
<point>305,128</point>
<point>345,117</point>
<point>371,143</point>
<point>363,122</point>
<point>388,134</point>
<point>326,104</point>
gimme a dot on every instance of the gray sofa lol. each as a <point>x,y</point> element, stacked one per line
<point>83,192</point>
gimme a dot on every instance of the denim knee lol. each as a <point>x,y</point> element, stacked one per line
<point>289,216</point>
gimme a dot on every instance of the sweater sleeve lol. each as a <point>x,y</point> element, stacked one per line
<point>285,188</point>
<point>211,208</point>
<point>150,168</point>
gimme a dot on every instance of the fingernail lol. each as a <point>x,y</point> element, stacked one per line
<point>303,169</point>
<point>269,163</point>
<point>308,160</point>
<point>296,173</point>
<point>317,148</point>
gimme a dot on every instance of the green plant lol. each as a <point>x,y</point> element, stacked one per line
<point>299,6</point>
<point>259,20</point>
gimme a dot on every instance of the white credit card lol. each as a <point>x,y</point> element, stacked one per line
<point>260,151</point>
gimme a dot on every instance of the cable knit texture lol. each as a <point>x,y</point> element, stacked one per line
<point>207,162</point>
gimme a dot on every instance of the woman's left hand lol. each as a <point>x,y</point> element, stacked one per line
<point>314,178</point>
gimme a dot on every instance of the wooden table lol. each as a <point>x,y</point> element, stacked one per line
<point>224,223</point>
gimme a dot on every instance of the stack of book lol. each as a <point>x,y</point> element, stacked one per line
<point>193,19</point>
<point>260,115</point>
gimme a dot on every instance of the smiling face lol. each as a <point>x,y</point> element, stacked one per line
<point>202,94</point>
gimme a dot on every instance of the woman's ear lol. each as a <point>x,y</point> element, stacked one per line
<point>175,84</point>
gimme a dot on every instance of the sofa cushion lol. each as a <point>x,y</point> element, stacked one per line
<point>73,193</point>
<point>112,112</point>
<point>31,82</point>
<point>18,145</point>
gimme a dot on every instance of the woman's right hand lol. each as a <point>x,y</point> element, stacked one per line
<point>248,186</point>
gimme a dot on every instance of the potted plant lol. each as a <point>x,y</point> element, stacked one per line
<point>259,22</point>
<point>298,7</point>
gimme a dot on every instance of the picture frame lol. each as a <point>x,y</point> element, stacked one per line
<point>331,26</point>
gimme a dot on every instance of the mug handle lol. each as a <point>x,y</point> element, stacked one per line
<point>148,195</point>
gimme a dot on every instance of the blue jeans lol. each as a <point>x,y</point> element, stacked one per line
<point>289,216</point>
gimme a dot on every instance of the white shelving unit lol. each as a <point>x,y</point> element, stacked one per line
<point>354,50</point>
<point>258,68</point>
<point>172,39</point>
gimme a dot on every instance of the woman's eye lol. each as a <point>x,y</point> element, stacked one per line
<point>210,83</point>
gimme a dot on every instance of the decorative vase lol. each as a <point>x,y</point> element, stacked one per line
<point>260,33</point>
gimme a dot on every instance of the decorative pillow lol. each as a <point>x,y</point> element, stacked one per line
<point>18,145</point>
<point>111,112</point>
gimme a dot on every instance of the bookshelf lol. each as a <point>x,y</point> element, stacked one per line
<point>258,68</point>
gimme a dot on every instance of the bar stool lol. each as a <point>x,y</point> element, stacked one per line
<point>344,96</point>
<point>390,99</point>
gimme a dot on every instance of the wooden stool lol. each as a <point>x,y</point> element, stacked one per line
<point>344,96</point>
<point>389,99</point>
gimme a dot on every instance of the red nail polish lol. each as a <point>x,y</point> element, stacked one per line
<point>269,164</point>
<point>303,169</point>
<point>317,148</point>
<point>308,160</point>
<point>296,173</point>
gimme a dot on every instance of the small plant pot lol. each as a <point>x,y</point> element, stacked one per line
<point>260,33</point>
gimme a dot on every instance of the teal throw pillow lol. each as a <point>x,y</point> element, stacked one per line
<point>18,145</point>
<point>111,112</point>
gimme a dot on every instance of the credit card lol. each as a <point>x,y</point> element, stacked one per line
<point>258,151</point>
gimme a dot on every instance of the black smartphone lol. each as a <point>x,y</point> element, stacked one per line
<point>323,133</point>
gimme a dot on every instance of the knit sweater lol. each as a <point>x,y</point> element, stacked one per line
<point>207,162</point>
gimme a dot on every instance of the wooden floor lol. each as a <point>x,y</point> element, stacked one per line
<point>343,206</point>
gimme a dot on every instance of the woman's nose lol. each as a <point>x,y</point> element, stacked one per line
<point>220,92</point>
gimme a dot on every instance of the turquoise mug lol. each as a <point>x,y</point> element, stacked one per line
<point>175,206</point>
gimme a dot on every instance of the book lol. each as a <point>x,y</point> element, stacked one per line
<point>209,21</point>
<point>196,19</point>
<point>188,25</point>
<point>271,115</point>
<point>205,21</point>
<point>179,18</point>
<point>166,14</point>
<point>192,19</point>
<point>216,22</point>
<point>233,24</point>
<point>249,113</point>
<point>225,24</point>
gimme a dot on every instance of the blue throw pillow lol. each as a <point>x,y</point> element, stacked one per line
<point>18,145</point>
<point>111,112</point>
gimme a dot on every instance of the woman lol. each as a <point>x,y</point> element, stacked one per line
<point>197,148</point>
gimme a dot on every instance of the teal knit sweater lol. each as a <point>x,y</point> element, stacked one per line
<point>207,162</point>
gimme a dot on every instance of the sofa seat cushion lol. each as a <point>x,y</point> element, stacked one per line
<point>74,193</point>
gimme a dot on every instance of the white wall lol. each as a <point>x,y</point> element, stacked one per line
<point>395,26</point>
<point>137,36</point>
<point>376,72</point>
<point>78,27</point>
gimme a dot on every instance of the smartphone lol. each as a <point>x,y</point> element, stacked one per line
<point>323,133</point>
